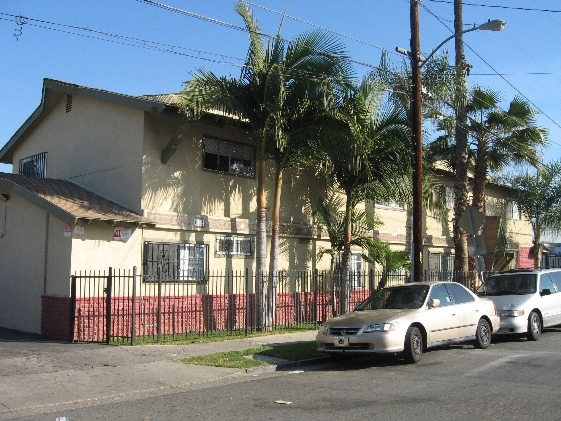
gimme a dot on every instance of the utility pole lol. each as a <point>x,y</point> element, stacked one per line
<point>417,137</point>
<point>461,135</point>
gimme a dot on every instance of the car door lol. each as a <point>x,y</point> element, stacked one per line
<point>466,309</point>
<point>442,321</point>
<point>549,301</point>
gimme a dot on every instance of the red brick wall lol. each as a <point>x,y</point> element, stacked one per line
<point>55,317</point>
<point>198,313</point>
<point>525,258</point>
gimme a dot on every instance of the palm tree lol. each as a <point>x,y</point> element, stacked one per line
<point>539,199</point>
<point>390,260</point>
<point>364,144</point>
<point>274,75</point>
<point>329,216</point>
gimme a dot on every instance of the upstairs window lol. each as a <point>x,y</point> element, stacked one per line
<point>228,158</point>
<point>512,210</point>
<point>449,197</point>
<point>34,166</point>
<point>390,204</point>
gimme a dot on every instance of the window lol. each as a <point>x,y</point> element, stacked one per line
<point>441,262</point>
<point>459,293</point>
<point>389,204</point>
<point>34,166</point>
<point>449,197</point>
<point>174,262</point>
<point>546,283</point>
<point>512,210</point>
<point>355,268</point>
<point>229,158</point>
<point>441,293</point>
<point>234,246</point>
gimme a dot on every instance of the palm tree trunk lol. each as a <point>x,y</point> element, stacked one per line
<point>261,244</point>
<point>346,257</point>
<point>537,250</point>
<point>478,199</point>
<point>274,251</point>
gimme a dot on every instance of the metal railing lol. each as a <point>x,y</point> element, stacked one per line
<point>125,306</point>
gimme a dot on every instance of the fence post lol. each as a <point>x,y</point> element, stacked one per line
<point>133,309</point>
<point>72,319</point>
<point>315,280</point>
<point>246,302</point>
<point>108,295</point>
<point>159,317</point>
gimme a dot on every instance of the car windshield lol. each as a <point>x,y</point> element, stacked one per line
<point>411,296</point>
<point>511,284</point>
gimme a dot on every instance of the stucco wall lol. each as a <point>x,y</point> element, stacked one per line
<point>97,145</point>
<point>23,276</point>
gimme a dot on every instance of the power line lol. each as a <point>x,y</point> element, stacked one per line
<point>526,9</point>
<point>495,70</point>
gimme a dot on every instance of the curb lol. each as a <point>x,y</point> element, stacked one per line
<point>289,365</point>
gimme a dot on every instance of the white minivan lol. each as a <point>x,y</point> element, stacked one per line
<point>527,300</point>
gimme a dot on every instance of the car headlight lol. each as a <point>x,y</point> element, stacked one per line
<point>379,327</point>
<point>510,313</point>
<point>324,330</point>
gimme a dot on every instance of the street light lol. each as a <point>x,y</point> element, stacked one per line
<point>416,127</point>
<point>491,25</point>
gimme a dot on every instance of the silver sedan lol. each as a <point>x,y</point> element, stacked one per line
<point>409,318</point>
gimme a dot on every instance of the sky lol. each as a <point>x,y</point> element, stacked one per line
<point>139,47</point>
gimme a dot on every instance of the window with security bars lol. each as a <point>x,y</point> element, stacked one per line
<point>441,262</point>
<point>174,262</point>
<point>229,158</point>
<point>449,197</point>
<point>355,269</point>
<point>234,246</point>
<point>512,210</point>
<point>34,166</point>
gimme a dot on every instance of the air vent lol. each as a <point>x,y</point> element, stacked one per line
<point>68,103</point>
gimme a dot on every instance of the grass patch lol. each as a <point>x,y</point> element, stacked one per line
<point>203,337</point>
<point>239,359</point>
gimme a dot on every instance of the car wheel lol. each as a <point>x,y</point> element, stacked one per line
<point>413,346</point>
<point>483,334</point>
<point>534,326</point>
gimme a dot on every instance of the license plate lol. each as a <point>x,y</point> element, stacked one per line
<point>342,341</point>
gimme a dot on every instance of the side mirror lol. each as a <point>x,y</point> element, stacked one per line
<point>545,291</point>
<point>434,302</point>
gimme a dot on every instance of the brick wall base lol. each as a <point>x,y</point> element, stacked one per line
<point>55,318</point>
<point>525,258</point>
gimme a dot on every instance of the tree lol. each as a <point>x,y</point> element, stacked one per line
<point>364,143</point>
<point>329,216</point>
<point>539,199</point>
<point>390,260</point>
<point>272,81</point>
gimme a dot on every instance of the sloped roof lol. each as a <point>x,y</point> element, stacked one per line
<point>68,201</point>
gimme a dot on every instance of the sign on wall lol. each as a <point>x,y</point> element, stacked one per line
<point>121,234</point>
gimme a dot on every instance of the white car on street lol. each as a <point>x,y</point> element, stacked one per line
<point>527,300</point>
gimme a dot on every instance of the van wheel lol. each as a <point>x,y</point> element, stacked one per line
<point>534,326</point>
<point>483,334</point>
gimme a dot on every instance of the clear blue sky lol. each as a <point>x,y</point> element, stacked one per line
<point>97,43</point>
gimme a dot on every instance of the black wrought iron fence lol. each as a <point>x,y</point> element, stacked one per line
<point>127,306</point>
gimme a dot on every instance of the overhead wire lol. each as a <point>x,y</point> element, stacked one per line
<point>495,70</point>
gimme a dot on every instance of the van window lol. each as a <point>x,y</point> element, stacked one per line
<point>556,278</point>
<point>546,283</point>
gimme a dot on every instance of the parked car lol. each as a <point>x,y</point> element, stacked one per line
<point>526,300</point>
<point>409,318</point>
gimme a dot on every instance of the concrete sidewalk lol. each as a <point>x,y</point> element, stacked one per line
<point>35,372</point>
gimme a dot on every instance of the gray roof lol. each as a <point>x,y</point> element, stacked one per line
<point>68,201</point>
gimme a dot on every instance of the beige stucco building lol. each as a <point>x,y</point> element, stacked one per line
<point>103,180</point>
